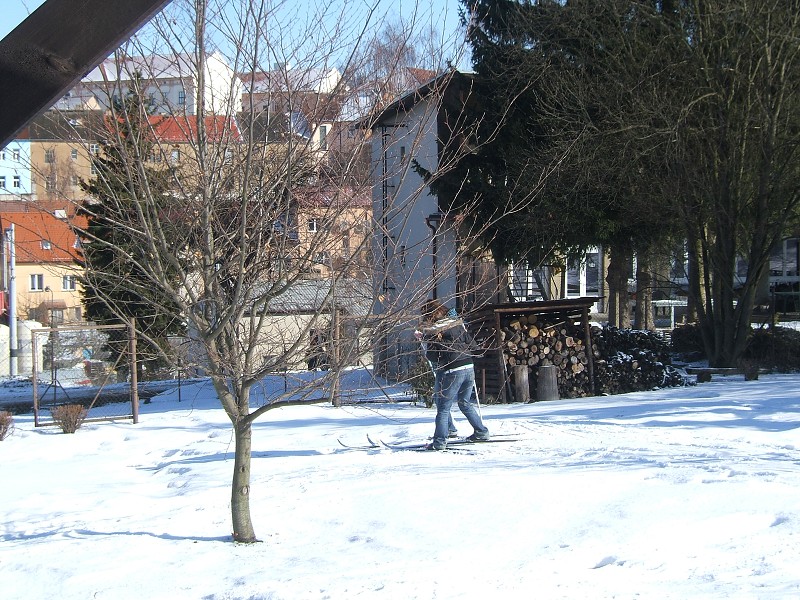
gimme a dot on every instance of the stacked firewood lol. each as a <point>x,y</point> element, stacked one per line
<point>622,360</point>
<point>535,341</point>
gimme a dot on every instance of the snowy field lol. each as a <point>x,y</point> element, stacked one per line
<point>682,493</point>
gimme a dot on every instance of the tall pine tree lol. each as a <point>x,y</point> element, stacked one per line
<point>115,287</point>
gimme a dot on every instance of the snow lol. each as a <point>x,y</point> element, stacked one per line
<point>677,493</point>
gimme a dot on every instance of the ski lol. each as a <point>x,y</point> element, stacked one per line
<point>370,445</point>
<point>460,442</point>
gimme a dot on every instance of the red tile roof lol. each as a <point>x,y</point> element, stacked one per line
<point>34,226</point>
<point>184,129</point>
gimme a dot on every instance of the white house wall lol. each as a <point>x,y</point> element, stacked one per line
<point>401,216</point>
<point>15,161</point>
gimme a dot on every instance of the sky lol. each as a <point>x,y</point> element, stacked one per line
<point>445,12</point>
<point>14,12</point>
<point>680,493</point>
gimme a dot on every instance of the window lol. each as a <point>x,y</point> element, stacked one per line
<point>323,137</point>
<point>77,242</point>
<point>50,182</point>
<point>3,154</point>
<point>74,180</point>
<point>50,156</point>
<point>46,245</point>
<point>181,98</point>
<point>69,283</point>
<point>2,182</point>
<point>312,224</point>
<point>15,155</point>
<point>17,182</point>
<point>175,155</point>
<point>37,282</point>
<point>73,154</point>
<point>94,149</point>
<point>94,168</point>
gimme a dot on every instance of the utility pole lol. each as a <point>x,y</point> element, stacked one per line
<point>12,302</point>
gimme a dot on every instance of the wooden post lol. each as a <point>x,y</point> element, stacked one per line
<point>521,385</point>
<point>589,352</point>
<point>336,399</point>
<point>134,372</point>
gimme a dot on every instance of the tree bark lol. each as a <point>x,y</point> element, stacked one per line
<point>617,278</point>
<point>644,293</point>
<point>240,490</point>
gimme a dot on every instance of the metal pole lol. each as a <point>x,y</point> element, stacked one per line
<point>12,303</point>
<point>134,374</point>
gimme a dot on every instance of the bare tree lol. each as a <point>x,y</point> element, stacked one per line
<point>254,221</point>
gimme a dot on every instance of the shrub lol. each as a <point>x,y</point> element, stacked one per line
<point>69,417</point>
<point>775,348</point>
<point>687,339</point>
<point>421,380</point>
<point>6,424</point>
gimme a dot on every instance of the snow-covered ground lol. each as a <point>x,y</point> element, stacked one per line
<point>679,493</point>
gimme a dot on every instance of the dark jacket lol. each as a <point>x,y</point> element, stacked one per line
<point>449,345</point>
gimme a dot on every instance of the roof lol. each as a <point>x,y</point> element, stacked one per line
<point>441,84</point>
<point>184,129</point>
<point>73,126</point>
<point>324,197</point>
<point>34,226</point>
<point>171,66</point>
<point>308,296</point>
<point>295,80</point>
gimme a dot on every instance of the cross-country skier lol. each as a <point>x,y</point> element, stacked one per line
<point>448,349</point>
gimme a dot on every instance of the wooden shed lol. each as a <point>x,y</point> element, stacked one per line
<point>533,334</point>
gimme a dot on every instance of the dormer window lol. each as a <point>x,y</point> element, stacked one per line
<point>46,245</point>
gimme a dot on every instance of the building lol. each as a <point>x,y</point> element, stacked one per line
<point>303,104</point>
<point>422,251</point>
<point>62,144</point>
<point>47,251</point>
<point>169,82</point>
<point>15,169</point>
<point>334,227</point>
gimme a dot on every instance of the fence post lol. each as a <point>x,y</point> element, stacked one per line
<point>134,372</point>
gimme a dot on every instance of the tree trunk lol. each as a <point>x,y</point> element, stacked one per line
<point>695,296</point>
<point>240,490</point>
<point>617,278</point>
<point>644,293</point>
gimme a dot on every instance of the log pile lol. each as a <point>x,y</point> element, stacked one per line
<point>536,340</point>
<point>632,361</point>
<point>623,360</point>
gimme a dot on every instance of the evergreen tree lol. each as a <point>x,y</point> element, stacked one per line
<point>639,121</point>
<point>115,288</point>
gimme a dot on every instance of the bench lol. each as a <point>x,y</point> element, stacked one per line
<point>704,373</point>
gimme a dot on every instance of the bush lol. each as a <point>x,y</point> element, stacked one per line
<point>687,339</point>
<point>775,348</point>
<point>421,379</point>
<point>69,417</point>
<point>6,424</point>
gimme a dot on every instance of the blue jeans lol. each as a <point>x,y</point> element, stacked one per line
<point>451,426</point>
<point>456,387</point>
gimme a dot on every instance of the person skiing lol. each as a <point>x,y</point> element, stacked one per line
<point>447,345</point>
